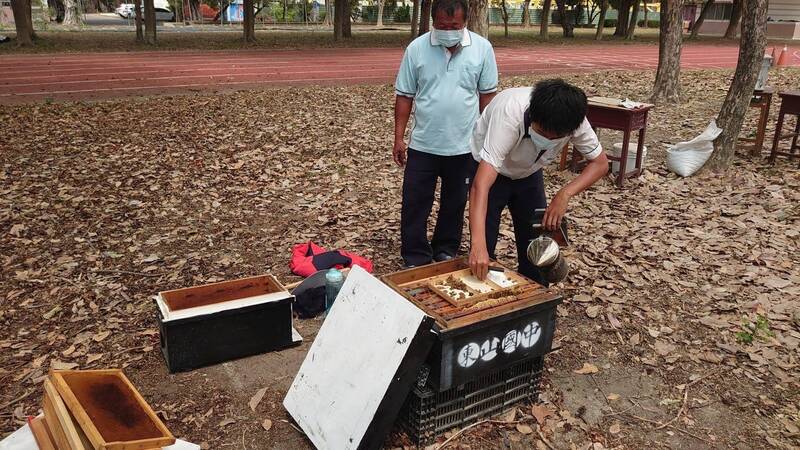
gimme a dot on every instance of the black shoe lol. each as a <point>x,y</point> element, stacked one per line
<point>442,257</point>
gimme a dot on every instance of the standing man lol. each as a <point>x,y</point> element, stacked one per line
<point>517,135</point>
<point>448,75</point>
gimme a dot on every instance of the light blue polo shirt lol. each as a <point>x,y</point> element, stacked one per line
<point>445,91</point>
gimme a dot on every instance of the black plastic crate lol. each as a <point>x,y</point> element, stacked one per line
<point>428,413</point>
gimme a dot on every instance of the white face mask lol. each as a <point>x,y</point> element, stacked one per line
<point>542,143</point>
<point>448,38</point>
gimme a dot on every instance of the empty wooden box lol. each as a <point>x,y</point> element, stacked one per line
<point>100,410</point>
<point>218,322</point>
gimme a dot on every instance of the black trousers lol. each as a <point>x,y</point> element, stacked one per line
<point>419,186</point>
<point>522,197</point>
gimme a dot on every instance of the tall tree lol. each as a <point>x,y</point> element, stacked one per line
<point>526,14</point>
<point>699,22</point>
<point>149,22</point>
<point>425,17</point>
<point>623,8</point>
<point>566,22</point>
<point>341,20</point>
<point>504,15</point>
<point>736,17</point>
<point>667,85</point>
<point>137,8</point>
<point>249,21</point>
<point>478,20</point>
<point>23,22</point>
<point>731,115</point>
<point>415,18</point>
<point>601,23</point>
<point>72,13</point>
<point>544,26</point>
<point>379,23</point>
<point>634,20</point>
<point>646,12</point>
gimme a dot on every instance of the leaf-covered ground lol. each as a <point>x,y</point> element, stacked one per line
<point>690,286</point>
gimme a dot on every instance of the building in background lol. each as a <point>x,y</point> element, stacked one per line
<point>783,18</point>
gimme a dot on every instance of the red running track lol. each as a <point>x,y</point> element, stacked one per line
<point>30,78</point>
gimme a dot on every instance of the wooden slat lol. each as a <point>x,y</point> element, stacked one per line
<point>223,291</point>
<point>90,428</point>
<point>41,434</point>
<point>54,426</point>
<point>72,433</point>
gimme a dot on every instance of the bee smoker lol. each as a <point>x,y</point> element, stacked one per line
<point>544,251</point>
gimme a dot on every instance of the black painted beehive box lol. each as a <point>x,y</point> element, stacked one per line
<point>498,325</point>
<point>219,322</point>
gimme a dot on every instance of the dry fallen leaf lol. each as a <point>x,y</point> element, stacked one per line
<point>59,365</point>
<point>226,422</point>
<point>509,415</point>
<point>583,298</point>
<point>613,397</point>
<point>524,429</point>
<point>101,336</point>
<point>593,311</point>
<point>541,413</point>
<point>266,424</point>
<point>587,369</point>
<point>615,428</point>
<point>256,398</point>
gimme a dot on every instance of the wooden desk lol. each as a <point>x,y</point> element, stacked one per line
<point>602,114</point>
<point>790,104</point>
<point>761,100</point>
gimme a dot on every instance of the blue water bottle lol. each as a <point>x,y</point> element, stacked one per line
<point>333,283</point>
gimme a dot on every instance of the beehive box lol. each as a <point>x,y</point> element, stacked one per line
<point>218,322</point>
<point>100,410</point>
<point>482,326</point>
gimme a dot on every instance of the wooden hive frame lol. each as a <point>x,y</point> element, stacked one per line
<point>525,292</point>
<point>94,432</point>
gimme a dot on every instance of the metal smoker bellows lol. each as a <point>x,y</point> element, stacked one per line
<point>544,253</point>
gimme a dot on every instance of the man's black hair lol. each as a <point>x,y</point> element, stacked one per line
<point>557,106</point>
<point>450,7</point>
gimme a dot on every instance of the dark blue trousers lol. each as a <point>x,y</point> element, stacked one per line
<point>522,197</point>
<point>422,172</point>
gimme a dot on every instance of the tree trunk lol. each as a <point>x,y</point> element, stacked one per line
<point>566,23</point>
<point>736,17</point>
<point>646,18</point>
<point>526,14</point>
<point>699,22</point>
<point>379,24</point>
<point>601,24</point>
<point>731,115</point>
<point>415,19</point>
<point>544,27</point>
<point>622,18</point>
<point>341,20</point>
<point>22,21</point>
<point>425,17</point>
<point>72,13</point>
<point>137,8</point>
<point>667,85</point>
<point>478,20</point>
<point>249,21</point>
<point>634,20</point>
<point>149,22</point>
<point>504,10</point>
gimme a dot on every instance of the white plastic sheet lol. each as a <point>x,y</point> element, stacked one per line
<point>686,158</point>
<point>23,439</point>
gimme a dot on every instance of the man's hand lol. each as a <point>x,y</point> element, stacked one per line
<point>399,152</point>
<point>479,261</point>
<point>556,210</point>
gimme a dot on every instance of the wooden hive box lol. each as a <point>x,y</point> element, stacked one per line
<point>109,412</point>
<point>482,327</point>
<point>218,322</point>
